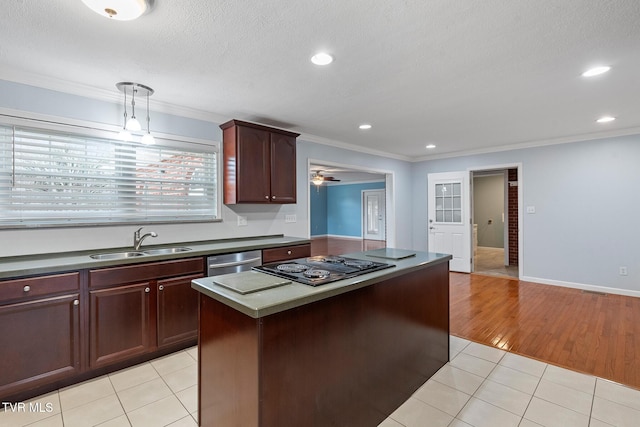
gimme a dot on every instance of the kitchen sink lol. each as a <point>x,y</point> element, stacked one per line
<point>165,251</point>
<point>117,255</point>
<point>133,254</point>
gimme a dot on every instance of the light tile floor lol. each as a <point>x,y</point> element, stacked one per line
<point>481,386</point>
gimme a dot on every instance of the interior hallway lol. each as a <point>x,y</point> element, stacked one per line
<point>491,261</point>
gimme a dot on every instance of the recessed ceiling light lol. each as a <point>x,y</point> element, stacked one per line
<point>322,58</point>
<point>431,146</point>
<point>595,71</point>
<point>365,126</point>
<point>605,119</point>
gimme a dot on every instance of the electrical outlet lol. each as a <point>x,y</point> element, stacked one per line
<point>623,271</point>
<point>242,221</point>
<point>290,218</point>
<point>531,209</point>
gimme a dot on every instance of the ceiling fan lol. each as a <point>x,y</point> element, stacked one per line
<point>317,178</point>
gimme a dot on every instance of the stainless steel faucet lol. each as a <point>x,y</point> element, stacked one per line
<point>137,239</point>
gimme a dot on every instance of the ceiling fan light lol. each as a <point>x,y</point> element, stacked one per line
<point>120,10</point>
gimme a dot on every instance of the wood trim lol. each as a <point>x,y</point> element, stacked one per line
<point>113,276</point>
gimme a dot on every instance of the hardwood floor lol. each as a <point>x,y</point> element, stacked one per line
<point>582,331</point>
<point>587,332</point>
<point>336,246</point>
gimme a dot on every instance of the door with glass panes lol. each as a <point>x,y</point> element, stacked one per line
<point>449,224</point>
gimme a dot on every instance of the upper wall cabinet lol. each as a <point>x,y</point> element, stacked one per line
<point>259,163</point>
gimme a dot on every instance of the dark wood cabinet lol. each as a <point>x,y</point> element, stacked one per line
<point>120,321</point>
<point>136,309</point>
<point>285,253</point>
<point>177,310</point>
<point>259,163</point>
<point>40,330</point>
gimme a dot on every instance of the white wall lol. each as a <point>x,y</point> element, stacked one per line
<point>586,200</point>
<point>261,219</point>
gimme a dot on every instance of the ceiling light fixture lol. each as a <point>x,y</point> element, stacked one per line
<point>365,126</point>
<point>605,119</point>
<point>125,135</point>
<point>317,179</point>
<point>133,124</point>
<point>322,58</point>
<point>431,146</point>
<point>147,138</point>
<point>120,10</point>
<point>595,71</point>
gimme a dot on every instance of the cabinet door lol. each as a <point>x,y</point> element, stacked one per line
<point>283,168</point>
<point>120,323</point>
<point>40,342</point>
<point>252,165</point>
<point>177,310</point>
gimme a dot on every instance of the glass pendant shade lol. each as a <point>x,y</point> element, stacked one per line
<point>125,135</point>
<point>120,10</point>
<point>148,139</point>
<point>133,124</point>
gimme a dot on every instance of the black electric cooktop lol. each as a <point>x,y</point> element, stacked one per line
<point>319,270</point>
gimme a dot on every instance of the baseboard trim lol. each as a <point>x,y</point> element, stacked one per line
<point>336,236</point>
<point>585,287</point>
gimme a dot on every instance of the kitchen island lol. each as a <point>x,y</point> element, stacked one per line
<point>344,353</point>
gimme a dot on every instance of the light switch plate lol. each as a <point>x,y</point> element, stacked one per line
<point>290,218</point>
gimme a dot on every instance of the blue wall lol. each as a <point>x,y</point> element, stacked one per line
<point>342,209</point>
<point>318,214</point>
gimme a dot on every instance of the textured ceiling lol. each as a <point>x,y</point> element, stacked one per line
<point>465,75</point>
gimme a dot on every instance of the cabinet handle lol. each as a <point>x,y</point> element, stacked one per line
<point>147,289</point>
<point>288,252</point>
<point>27,288</point>
<point>160,287</point>
<point>273,197</point>
<point>266,197</point>
<point>76,302</point>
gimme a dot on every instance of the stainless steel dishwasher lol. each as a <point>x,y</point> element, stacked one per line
<point>233,263</point>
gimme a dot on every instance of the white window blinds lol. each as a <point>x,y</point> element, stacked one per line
<point>52,178</point>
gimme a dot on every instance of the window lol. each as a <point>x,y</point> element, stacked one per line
<point>449,202</point>
<point>52,178</point>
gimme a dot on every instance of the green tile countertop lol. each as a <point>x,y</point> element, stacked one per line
<point>60,262</point>
<point>295,294</point>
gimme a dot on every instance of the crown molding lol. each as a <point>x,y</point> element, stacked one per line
<point>86,91</point>
<point>533,144</point>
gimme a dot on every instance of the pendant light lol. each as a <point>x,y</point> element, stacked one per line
<point>147,138</point>
<point>133,124</point>
<point>125,135</point>
<point>120,10</point>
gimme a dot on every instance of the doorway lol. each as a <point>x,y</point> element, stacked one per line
<point>337,207</point>
<point>495,222</point>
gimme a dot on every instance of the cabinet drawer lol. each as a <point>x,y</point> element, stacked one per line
<point>144,272</point>
<point>285,253</point>
<point>38,286</point>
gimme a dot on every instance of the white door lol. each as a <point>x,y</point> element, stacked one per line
<point>449,212</point>
<point>373,215</point>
